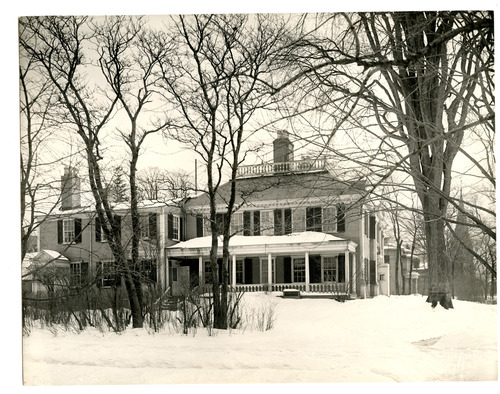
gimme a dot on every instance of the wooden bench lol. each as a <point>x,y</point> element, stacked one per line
<point>291,293</point>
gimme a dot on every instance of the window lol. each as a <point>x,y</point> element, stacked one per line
<point>176,228</point>
<point>240,272</point>
<point>329,269</point>
<point>329,220</point>
<point>69,231</point>
<point>299,270</point>
<point>107,276</point>
<point>144,224</point>
<point>282,221</point>
<point>207,274</point>
<point>267,223</point>
<point>237,223</point>
<point>313,219</point>
<point>78,273</point>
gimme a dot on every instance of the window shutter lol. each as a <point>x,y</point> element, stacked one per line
<point>97,230</point>
<point>246,223</point>
<point>60,231</point>
<point>373,222</point>
<point>278,222</point>
<point>373,278</point>
<point>152,225</point>
<point>299,220</point>
<point>288,221</point>
<point>78,230</point>
<point>181,229</point>
<point>341,218</point>
<point>199,226</point>
<point>256,222</point>
<point>309,218</point>
<point>84,272</point>
<point>118,224</point>
<point>98,266</point>
<point>170,226</point>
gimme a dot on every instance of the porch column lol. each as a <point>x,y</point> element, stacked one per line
<point>233,271</point>
<point>167,273</point>
<point>270,271</point>
<point>307,271</point>
<point>348,281</point>
<point>200,271</point>
<point>353,288</point>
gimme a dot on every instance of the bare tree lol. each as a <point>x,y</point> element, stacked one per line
<point>420,81</point>
<point>221,71</point>
<point>160,185</point>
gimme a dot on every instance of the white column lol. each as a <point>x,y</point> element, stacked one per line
<point>347,273</point>
<point>233,271</point>
<point>167,273</point>
<point>353,289</point>
<point>307,271</point>
<point>269,271</point>
<point>200,270</point>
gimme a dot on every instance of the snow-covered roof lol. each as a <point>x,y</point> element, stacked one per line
<point>295,242</point>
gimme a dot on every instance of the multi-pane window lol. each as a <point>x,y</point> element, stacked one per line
<point>107,273</point>
<point>144,224</point>
<point>68,230</point>
<point>329,269</point>
<point>282,221</point>
<point>313,219</point>
<point>299,270</point>
<point>237,223</point>
<point>208,273</point>
<point>240,272</point>
<point>78,273</point>
<point>264,270</point>
<point>175,227</point>
<point>267,223</point>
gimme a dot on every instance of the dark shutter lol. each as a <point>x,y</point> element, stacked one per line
<point>78,230</point>
<point>246,223</point>
<point>341,218</point>
<point>341,274</point>
<point>152,225</point>
<point>60,231</point>
<point>98,266</point>
<point>118,224</point>
<point>373,222</point>
<point>248,271</point>
<point>256,222</point>
<point>309,219</point>
<point>98,236</point>
<point>220,219</point>
<point>315,268</point>
<point>278,222</point>
<point>170,226</point>
<point>85,272</point>
<point>199,226</point>
<point>373,279</point>
<point>181,229</point>
<point>288,221</point>
<point>287,269</point>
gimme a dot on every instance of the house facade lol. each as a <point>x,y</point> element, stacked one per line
<point>296,226</point>
<point>404,271</point>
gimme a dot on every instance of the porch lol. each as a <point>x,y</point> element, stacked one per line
<point>310,262</point>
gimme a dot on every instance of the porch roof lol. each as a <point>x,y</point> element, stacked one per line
<point>311,241</point>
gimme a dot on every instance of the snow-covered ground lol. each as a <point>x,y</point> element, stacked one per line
<point>384,339</point>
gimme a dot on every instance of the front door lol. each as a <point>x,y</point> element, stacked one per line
<point>180,281</point>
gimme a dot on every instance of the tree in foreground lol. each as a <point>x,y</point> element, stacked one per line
<point>425,79</point>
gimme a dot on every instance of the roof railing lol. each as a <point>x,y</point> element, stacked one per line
<point>307,165</point>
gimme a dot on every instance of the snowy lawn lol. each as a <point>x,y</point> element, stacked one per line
<point>385,339</point>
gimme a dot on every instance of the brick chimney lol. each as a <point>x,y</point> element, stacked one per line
<point>283,148</point>
<point>70,189</point>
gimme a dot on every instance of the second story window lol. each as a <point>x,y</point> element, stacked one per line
<point>148,226</point>
<point>69,230</point>
<point>313,219</point>
<point>175,228</point>
<point>237,223</point>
